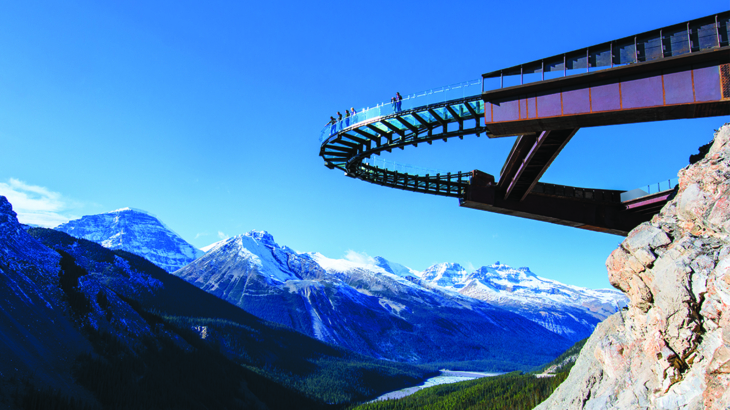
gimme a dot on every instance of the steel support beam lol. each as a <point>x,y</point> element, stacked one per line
<point>600,215</point>
<point>531,156</point>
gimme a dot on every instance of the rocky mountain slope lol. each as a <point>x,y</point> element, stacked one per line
<point>570,311</point>
<point>367,308</point>
<point>36,336</point>
<point>137,232</point>
<point>671,348</point>
<point>110,328</point>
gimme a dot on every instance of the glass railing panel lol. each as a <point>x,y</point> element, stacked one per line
<point>662,186</point>
<point>704,36</point>
<point>437,95</point>
<point>624,52</point>
<point>649,48</point>
<point>599,57</point>
<point>452,93</point>
<point>409,102</point>
<point>472,88</point>
<point>676,41</point>
<point>324,134</point>
<point>650,189</point>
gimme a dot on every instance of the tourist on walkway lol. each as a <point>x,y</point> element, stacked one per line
<point>399,101</point>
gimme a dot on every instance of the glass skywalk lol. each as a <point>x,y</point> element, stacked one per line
<point>410,102</point>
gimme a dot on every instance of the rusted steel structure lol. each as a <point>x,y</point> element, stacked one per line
<point>675,72</point>
<point>669,73</point>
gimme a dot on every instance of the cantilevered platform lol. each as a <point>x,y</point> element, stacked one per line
<point>675,72</point>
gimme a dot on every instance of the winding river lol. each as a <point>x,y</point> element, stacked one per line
<point>445,377</point>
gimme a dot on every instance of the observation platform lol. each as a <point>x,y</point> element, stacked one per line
<point>675,72</point>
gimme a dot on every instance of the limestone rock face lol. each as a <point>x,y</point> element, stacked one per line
<point>671,348</point>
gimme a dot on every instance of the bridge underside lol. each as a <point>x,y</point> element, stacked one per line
<point>591,209</point>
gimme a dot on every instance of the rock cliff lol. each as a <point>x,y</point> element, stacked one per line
<point>671,347</point>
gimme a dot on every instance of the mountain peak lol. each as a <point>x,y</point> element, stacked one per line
<point>394,268</point>
<point>128,209</point>
<point>262,236</point>
<point>504,272</point>
<point>136,231</point>
<point>444,274</point>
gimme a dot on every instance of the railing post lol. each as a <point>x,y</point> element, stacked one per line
<point>717,31</point>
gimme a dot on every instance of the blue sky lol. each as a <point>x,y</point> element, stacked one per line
<point>208,115</point>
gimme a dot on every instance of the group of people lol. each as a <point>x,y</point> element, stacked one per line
<point>348,113</point>
<point>396,101</point>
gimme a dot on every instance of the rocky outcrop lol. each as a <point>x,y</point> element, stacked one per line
<point>671,347</point>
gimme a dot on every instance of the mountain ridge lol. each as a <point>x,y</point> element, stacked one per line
<point>567,310</point>
<point>135,231</point>
<point>363,307</point>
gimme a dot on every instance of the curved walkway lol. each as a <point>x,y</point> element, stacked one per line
<point>346,146</point>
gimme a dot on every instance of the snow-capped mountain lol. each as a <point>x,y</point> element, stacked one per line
<point>395,268</point>
<point>380,308</point>
<point>135,231</point>
<point>79,320</point>
<point>302,290</point>
<point>571,311</point>
<point>444,274</point>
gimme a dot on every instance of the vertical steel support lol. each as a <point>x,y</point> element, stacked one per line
<point>717,31</point>
<point>689,38</point>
